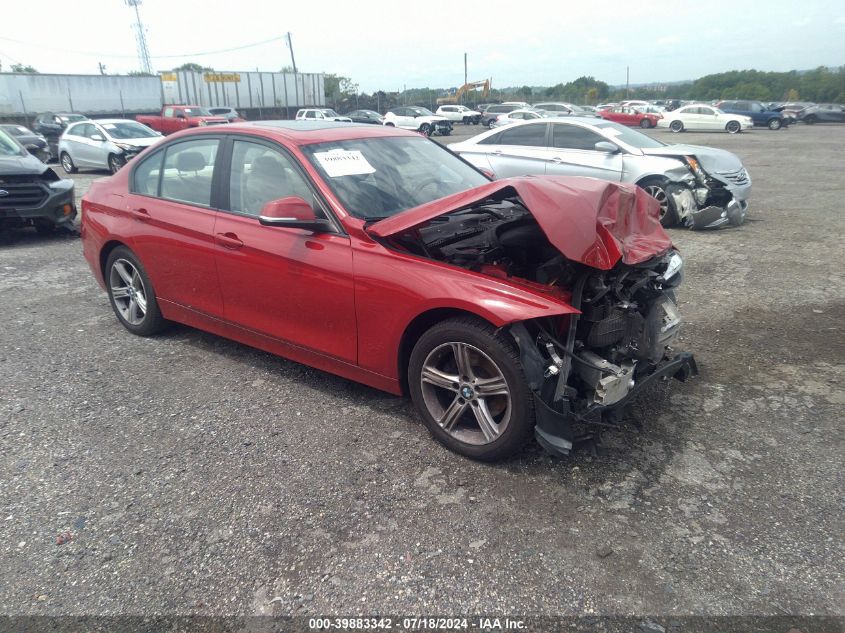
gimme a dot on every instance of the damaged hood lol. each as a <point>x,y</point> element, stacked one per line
<point>591,221</point>
<point>712,160</point>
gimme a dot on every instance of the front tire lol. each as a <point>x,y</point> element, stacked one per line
<point>656,188</point>
<point>774,124</point>
<point>115,163</point>
<point>810,120</point>
<point>645,124</point>
<point>67,163</point>
<point>425,129</point>
<point>676,126</point>
<point>468,385</point>
<point>733,127</point>
<point>131,293</point>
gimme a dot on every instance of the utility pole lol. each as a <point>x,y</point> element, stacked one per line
<point>627,82</point>
<point>292,58</point>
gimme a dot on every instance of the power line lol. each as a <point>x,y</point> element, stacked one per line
<point>93,54</point>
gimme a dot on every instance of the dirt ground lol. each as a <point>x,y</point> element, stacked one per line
<point>196,475</point>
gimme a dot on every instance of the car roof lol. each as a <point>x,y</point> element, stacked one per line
<point>307,132</point>
<point>102,121</point>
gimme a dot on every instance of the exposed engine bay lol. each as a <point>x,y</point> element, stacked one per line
<point>576,364</point>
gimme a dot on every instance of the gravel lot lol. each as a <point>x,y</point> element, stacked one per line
<point>196,475</point>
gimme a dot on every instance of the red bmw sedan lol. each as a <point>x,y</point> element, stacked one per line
<point>631,116</point>
<point>506,309</point>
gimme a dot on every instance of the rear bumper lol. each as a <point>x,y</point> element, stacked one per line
<point>554,430</point>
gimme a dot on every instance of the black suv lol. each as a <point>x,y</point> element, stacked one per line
<point>52,125</point>
<point>31,194</point>
<point>759,113</point>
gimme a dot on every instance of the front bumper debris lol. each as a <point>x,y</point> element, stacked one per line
<point>554,430</point>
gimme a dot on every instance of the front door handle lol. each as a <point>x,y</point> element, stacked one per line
<point>228,240</point>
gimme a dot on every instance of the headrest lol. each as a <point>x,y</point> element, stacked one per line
<point>190,161</point>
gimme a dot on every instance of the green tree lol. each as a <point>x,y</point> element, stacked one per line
<point>193,67</point>
<point>525,92</point>
<point>139,73</point>
<point>21,68</point>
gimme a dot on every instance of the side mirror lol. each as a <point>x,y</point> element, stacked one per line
<point>97,137</point>
<point>605,146</point>
<point>294,213</point>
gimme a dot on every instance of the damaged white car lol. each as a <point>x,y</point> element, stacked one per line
<point>698,187</point>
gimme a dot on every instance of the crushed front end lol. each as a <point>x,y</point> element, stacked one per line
<point>585,368</point>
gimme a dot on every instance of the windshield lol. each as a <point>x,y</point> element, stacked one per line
<point>627,135</point>
<point>128,129</point>
<point>376,178</point>
<point>328,112</point>
<point>196,112</point>
<point>72,118</point>
<point>421,111</point>
<point>9,146</point>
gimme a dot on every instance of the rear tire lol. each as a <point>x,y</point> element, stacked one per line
<point>67,163</point>
<point>131,293</point>
<point>656,188</point>
<point>774,124</point>
<point>676,126</point>
<point>467,383</point>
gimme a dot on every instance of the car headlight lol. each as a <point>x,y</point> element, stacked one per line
<point>695,168</point>
<point>127,147</point>
<point>203,123</point>
<point>674,265</point>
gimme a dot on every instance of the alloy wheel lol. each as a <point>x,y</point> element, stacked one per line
<point>466,393</point>
<point>67,163</point>
<point>128,291</point>
<point>659,193</point>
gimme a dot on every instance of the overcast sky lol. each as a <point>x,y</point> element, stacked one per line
<point>385,45</point>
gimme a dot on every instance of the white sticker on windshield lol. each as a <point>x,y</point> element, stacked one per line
<point>341,162</point>
<point>109,126</point>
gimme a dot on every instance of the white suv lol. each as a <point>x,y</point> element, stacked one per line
<point>460,113</point>
<point>320,114</point>
<point>419,119</point>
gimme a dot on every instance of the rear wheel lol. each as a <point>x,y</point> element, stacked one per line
<point>131,293</point>
<point>733,127</point>
<point>656,188</point>
<point>810,120</point>
<point>467,383</point>
<point>676,126</point>
<point>67,163</point>
<point>645,124</point>
<point>774,124</point>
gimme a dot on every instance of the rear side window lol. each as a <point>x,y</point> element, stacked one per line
<point>532,135</point>
<point>188,170</point>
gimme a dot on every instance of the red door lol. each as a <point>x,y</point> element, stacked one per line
<point>287,283</point>
<point>173,234</point>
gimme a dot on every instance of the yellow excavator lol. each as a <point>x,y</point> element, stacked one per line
<point>480,90</point>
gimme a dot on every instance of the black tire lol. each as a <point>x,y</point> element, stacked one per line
<point>733,127</point>
<point>656,188</point>
<point>152,321</point>
<point>389,125</point>
<point>115,163</point>
<point>496,347</point>
<point>67,163</point>
<point>467,121</point>
<point>810,120</point>
<point>446,132</point>
<point>425,129</point>
<point>645,124</point>
<point>774,124</point>
<point>676,126</point>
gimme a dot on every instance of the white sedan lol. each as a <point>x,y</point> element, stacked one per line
<point>702,117</point>
<point>523,114</point>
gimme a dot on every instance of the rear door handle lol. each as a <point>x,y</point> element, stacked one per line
<point>141,214</point>
<point>228,240</point>
<point>557,160</point>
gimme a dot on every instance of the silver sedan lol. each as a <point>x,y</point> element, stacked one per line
<point>696,186</point>
<point>103,143</point>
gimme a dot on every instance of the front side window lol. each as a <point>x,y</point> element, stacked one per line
<point>260,174</point>
<point>310,114</point>
<point>188,170</point>
<point>574,137</point>
<point>531,135</point>
<point>145,178</point>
